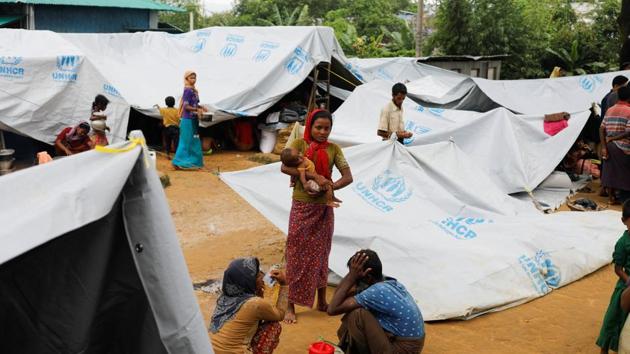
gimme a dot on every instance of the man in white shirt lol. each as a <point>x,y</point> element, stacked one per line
<point>391,120</point>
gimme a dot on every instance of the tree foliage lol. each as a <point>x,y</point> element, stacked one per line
<point>536,34</point>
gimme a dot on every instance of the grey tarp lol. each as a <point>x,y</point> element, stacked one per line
<point>90,261</point>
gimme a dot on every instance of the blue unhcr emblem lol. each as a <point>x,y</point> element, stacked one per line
<point>111,90</point>
<point>68,62</point>
<point>9,67</point>
<point>416,129</point>
<point>298,59</point>
<point>548,269</point>
<point>391,187</point>
<point>436,111</point>
<point>10,60</point>
<point>262,55</point>
<point>199,45</point>
<point>295,65</point>
<point>229,50</point>
<point>355,71</point>
<point>587,84</point>
<point>386,190</point>
<point>461,227</point>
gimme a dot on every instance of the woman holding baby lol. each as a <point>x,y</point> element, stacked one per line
<point>311,221</point>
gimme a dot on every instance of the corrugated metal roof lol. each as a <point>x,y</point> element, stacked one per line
<point>129,4</point>
<point>5,20</point>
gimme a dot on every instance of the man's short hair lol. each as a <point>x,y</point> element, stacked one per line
<point>399,88</point>
<point>624,93</point>
<point>372,262</point>
<point>619,80</point>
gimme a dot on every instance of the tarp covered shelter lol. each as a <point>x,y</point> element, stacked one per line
<point>92,263</point>
<point>445,229</point>
<point>513,149</point>
<point>242,71</point>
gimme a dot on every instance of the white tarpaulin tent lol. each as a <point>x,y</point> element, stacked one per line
<point>47,80</point>
<point>536,97</point>
<point>513,149</point>
<point>47,84</point>
<point>438,87</point>
<point>424,82</point>
<point>443,228</point>
<point>241,70</point>
<point>90,261</point>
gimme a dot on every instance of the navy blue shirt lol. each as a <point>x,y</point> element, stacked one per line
<point>393,307</point>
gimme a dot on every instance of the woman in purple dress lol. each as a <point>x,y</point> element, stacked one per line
<point>189,154</point>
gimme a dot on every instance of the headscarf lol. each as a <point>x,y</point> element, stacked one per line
<point>316,151</point>
<point>239,285</point>
<point>73,136</point>
<point>186,85</point>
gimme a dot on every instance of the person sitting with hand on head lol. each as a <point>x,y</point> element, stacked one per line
<point>380,315</point>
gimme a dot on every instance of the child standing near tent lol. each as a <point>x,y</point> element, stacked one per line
<point>170,121</point>
<point>615,317</point>
<point>391,120</point>
<point>291,157</point>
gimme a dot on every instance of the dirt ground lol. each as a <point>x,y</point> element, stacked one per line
<point>215,225</point>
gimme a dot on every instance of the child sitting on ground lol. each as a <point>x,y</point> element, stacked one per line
<point>291,158</point>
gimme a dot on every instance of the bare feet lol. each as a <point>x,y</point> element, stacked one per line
<point>290,317</point>
<point>322,307</point>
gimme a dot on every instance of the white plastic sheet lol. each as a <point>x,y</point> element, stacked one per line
<point>47,84</point>
<point>513,149</point>
<point>442,227</point>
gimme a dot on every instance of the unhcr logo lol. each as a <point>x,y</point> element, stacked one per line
<point>355,71</point>
<point>264,52</point>
<point>298,59</point>
<point>68,63</point>
<point>460,227</point>
<point>111,90</point>
<point>416,129</point>
<point>231,46</point>
<point>67,66</point>
<point>201,41</point>
<point>386,190</point>
<point>590,83</point>
<point>10,68</point>
<point>541,270</point>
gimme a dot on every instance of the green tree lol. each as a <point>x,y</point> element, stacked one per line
<point>454,25</point>
<point>299,17</point>
<point>181,20</point>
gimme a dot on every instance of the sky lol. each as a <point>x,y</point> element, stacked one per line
<point>217,5</point>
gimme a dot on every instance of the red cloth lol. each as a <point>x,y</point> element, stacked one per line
<point>244,132</point>
<point>553,128</point>
<point>309,240</point>
<point>267,338</point>
<point>316,151</point>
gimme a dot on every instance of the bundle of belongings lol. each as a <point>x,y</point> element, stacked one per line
<point>584,204</point>
<point>556,122</point>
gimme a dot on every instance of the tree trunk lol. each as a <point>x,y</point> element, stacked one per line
<point>419,25</point>
<point>624,30</point>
